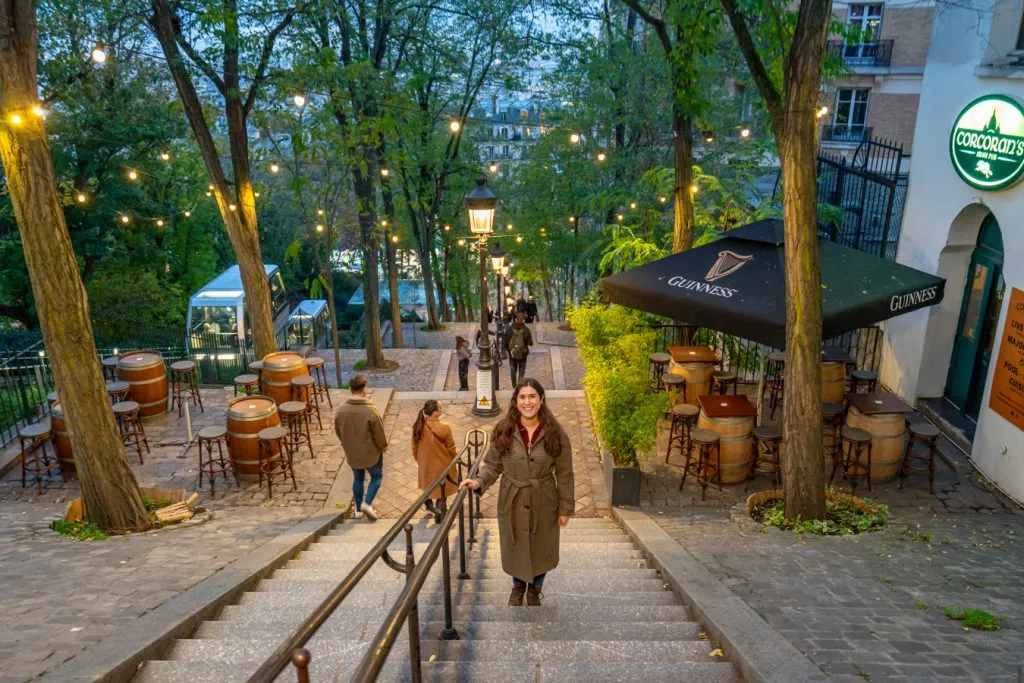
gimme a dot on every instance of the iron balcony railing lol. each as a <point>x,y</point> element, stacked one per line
<point>845,132</point>
<point>868,53</point>
<point>406,605</point>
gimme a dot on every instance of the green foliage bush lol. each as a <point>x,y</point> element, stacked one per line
<point>123,300</point>
<point>615,345</point>
<point>79,531</point>
<point>842,518</point>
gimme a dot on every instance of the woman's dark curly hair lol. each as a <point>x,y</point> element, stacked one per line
<point>505,431</point>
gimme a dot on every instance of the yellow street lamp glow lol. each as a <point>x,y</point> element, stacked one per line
<point>125,219</point>
<point>81,198</point>
<point>133,175</point>
<point>15,119</point>
<point>455,125</point>
<point>188,214</point>
<point>319,227</point>
<point>493,168</point>
<point>394,239</point>
<point>632,205</point>
<point>693,189</point>
<point>98,55</point>
<point>38,111</point>
<point>159,223</point>
<point>299,100</point>
<point>165,156</point>
<point>745,133</point>
<point>231,207</point>
<point>574,138</point>
<point>709,138</point>
<point>274,168</point>
<point>601,156</point>
<point>462,242</point>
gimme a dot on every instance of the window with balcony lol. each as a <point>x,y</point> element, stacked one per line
<point>863,46</point>
<point>849,123</point>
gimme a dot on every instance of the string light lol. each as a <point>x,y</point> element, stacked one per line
<point>462,242</point>
<point>319,227</point>
<point>821,113</point>
<point>274,168</point>
<point>384,172</point>
<point>210,187</point>
<point>125,219</point>
<point>39,111</point>
<point>542,231</point>
<point>601,156</point>
<point>745,133</point>
<point>231,207</point>
<point>574,138</point>
<point>81,198</point>
<point>455,125</point>
<point>165,156</point>
<point>256,194</point>
<point>632,205</point>
<point>159,223</point>
<point>572,219</point>
<point>662,199</point>
<point>447,228</point>
<point>394,239</point>
<point>16,119</point>
<point>519,239</point>
<point>209,194</point>
<point>493,168</point>
<point>384,223</point>
<point>709,137</point>
<point>300,100</point>
<point>133,175</point>
<point>188,214</point>
<point>693,189</point>
<point>319,212</point>
<point>98,55</point>
<point>619,217</point>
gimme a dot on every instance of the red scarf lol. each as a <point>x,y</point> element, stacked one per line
<point>524,434</point>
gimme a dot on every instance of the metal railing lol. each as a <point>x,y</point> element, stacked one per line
<point>869,53</point>
<point>845,132</point>
<point>406,606</point>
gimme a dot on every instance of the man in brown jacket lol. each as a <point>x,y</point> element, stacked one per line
<point>361,430</point>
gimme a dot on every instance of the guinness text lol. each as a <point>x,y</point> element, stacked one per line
<point>702,287</point>
<point>901,301</point>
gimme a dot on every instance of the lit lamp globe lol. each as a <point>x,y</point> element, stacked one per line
<point>497,257</point>
<point>481,203</point>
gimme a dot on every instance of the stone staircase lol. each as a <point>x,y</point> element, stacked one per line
<point>605,617</point>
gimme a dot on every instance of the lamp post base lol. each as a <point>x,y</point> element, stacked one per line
<point>485,405</point>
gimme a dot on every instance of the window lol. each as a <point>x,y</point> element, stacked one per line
<point>504,133</point>
<point>490,152</point>
<point>504,152</point>
<point>1020,35</point>
<point>851,114</point>
<point>864,24</point>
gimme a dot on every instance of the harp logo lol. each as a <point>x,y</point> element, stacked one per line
<point>728,263</point>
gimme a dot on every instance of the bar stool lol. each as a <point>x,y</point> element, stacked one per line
<point>185,383</point>
<point>129,424</point>
<point>52,398</point>
<point>118,391</point>
<point>776,387</point>
<point>304,389</point>
<point>928,435</point>
<point>296,419</point>
<point>34,456</point>
<point>248,384</point>
<point>854,443</point>
<point>832,417</point>
<point>863,377</point>
<point>256,368</point>
<point>318,370</point>
<point>275,457</point>
<point>684,418</point>
<point>675,385</point>
<point>659,366</point>
<point>109,368</point>
<point>766,451</point>
<point>723,378</point>
<point>705,441</point>
<point>211,465</point>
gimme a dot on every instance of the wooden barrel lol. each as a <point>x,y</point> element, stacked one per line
<point>278,370</point>
<point>735,442</point>
<point>887,442</point>
<point>247,415</point>
<point>147,377</point>
<point>698,379</point>
<point>833,382</point>
<point>61,439</point>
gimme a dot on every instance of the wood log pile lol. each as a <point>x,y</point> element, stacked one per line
<point>178,512</point>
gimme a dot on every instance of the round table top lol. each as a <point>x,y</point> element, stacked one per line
<point>251,407</point>
<point>212,432</point>
<point>34,431</point>
<point>292,407</point>
<point>122,407</point>
<point>282,360</point>
<point>246,379</point>
<point>137,360</point>
<point>114,387</point>
<point>183,365</point>
<point>272,433</point>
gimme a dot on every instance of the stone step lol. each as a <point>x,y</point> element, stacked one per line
<point>446,672</point>
<point>566,545</point>
<point>385,574</point>
<point>570,651</point>
<point>584,551</point>
<point>486,535</point>
<point>475,562</point>
<point>301,583</point>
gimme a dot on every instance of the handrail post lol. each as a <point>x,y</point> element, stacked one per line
<point>414,613</point>
<point>463,574</point>
<point>449,632</point>
<point>300,659</point>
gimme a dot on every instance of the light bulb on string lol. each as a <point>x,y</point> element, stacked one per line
<point>632,205</point>
<point>274,168</point>
<point>231,207</point>
<point>574,138</point>
<point>319,212</point>
<point>620,217</point>
<point>159,223</point>
<point>821,113</point>
<point>601,156</point>
<point>165,156</point>
<point>493,168</point>
<point>210,187</point>
<point>319,227</point>
<point>455,126</point>
<point>662,199</point>
<point>188,214</point>
<point>519,239</point>
<point>745,133</point>
<point>508,227</point>
<point>385,172</point>
<point>394,239</point>
<point>125,220</point>
<point>16,119</point>
<point>133,175</point>
<point>300,100</point>
<point>98,55</point>
<point>447,228</point>
<point>384,223</point>
<point>462,242</point>
<point>81,198</point>
<point>209,194</point>
<point>693,189</point>
<point>256,194</point>
<point>572,219</point>
<point>39,111</point>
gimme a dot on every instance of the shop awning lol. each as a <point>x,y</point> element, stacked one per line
<point>737,285</point>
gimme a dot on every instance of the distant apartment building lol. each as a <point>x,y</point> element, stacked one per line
<point>884,55</point>
<point>510,128</point>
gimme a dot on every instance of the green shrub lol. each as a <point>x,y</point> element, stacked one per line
<point>842,518</point>
<point>79,531</point>
<point>977,619</point>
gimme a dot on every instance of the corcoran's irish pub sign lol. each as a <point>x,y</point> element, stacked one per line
<point>987,143</point>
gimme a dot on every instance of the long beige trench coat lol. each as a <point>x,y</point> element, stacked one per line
<point>535,490</point>
<point>433,453</point>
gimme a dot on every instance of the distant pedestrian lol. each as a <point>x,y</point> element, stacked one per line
<point>531,311</point>
<point>433,448</point>
<point>490,315</point>
<point>463,354</point>
<point>518,340</point>
<point>360,429</point>
<point>531,452</point>
<point>520,305</point>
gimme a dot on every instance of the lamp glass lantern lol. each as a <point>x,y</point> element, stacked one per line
<point>481,203</point>
<point>497,257</point>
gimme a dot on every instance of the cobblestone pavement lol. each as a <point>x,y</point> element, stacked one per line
<point>60,596</point>
<point>869,607</point>
<point>415,371</point>
<point>538,366</point>
<point>400,489</point>
<point>572,368</point>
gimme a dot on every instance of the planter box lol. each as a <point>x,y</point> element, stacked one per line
<point>622,483</point>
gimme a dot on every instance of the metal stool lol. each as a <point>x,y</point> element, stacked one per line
<point>275,457</point>
<point>118,391</point>
<point>776,386</point>
<point>109,368</point>
<point>129,424</point>
<point>185,383</point>
<point>52,398</point>
<point>248,384</point>
<point>855,442</point>
<point>296,418</point>
<point>766,452</point>
<point>705,440</point>
<point>211,465</point>
<point>256,368</point>
<point>34,456</point>
<point>832,416</point>
<point>684,417</point>
<point>928,435</point>
<point>723,378</point>
<point>675,385</point>
<point>304,389</point>
<point>659,366</point>
<point>863,377</point>
<point>318,370</point>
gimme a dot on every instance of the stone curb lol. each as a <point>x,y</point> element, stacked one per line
<point>762,655</point>
<point>116,659</point>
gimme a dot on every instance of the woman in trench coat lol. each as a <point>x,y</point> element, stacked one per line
<point>531,454</point>
<point>433,448</point>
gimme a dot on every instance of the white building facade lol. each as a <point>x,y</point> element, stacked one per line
<point>964,221</point>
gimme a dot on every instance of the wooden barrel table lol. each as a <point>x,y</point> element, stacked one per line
<point>146,375</point>
<point>247,415</point>
<point>61,439</point>
<point>833,382</point>
<point>735,442</point>
<point>278,370</point>
<point>698,379</point>
<point>887,437</point>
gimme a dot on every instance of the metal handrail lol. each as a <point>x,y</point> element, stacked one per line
<point>291,650</point>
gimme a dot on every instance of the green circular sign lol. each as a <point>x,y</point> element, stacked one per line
<point>987,143</point>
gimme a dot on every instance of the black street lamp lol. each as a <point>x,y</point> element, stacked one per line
<point>481,204</point>
<point>498,263</point>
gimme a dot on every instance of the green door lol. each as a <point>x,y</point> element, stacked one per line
<point>979,315</point>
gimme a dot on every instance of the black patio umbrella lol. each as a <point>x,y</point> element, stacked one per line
<point>737,285</point>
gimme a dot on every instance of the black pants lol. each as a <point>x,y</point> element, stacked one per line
<point>464,375</point>
<point>517,368</point>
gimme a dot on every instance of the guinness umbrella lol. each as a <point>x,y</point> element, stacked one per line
<point>737,285</point>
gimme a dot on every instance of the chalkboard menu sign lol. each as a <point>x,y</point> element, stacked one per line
<point>1007,396</point>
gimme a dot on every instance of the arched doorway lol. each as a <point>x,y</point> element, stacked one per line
<point>979,316</point>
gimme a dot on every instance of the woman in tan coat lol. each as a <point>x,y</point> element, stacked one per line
<point>433,448</point>
<point>531,453</point>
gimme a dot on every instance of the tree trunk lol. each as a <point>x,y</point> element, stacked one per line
<point>362,181</point>
<point>328,271</point>
<point>111,494</point>
<point>397,338</point>
<point>682,155</point>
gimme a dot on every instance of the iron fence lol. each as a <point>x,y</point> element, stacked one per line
<point>871,53</point>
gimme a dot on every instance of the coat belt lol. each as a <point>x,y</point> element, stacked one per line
<point>518,486</point>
